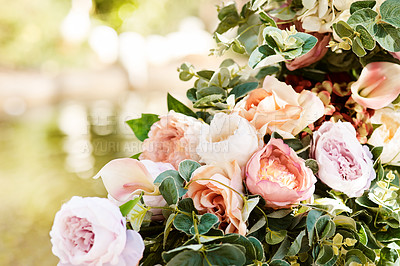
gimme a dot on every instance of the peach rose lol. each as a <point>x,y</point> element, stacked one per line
<point>126,178</point>
<point>173,139</point>
<point>277,174</point>
<point>277,107</point>
<point>378,85</point>
<point>214,197</point>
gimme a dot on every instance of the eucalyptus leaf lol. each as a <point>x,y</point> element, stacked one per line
<point>325,255</point>
<point>203,92</point>
<point>360,5</point>
<point>367,40</point>
<point>296,245</point>
<point>177,178</point>
<point>209,101</point>
<point>258,248</point>
<point>259,54</point>
<point>169,190</point>
<point>343,29</point>
<point>243,89</point>
<point>390,12</point>
<point>312,218</point>
<point>226,254</point>
<point>183,223</point>
<point>187,205</point>
<point>279,263</point>
<point>229,18</point>
<point>141,126</point>
<point>275,237</point>
<point>191,94</point>
<point>357,47</point>
<point>220,78</point>
<point>206,74</point>
<point>186,169</point>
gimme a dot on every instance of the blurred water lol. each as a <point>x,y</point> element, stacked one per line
<point>46,157</point>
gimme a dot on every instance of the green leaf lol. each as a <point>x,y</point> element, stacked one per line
<point>141,126</point>
<point>365,17</point>
<point>362,235</point>
<point>360,5</point>
<point>203,92</point>
<point>366,39</point>
<point>279,263</point>
<point>392,234</point>
<point>187,205</point>
<point>209,101</point>
<point>258,4</point>
<point>343,29</point>
<point>325,254</point>
<point>295,144</point>
<point>183,223</point>
<point>357,47</point>
<point>282,250</point>
<point>186,169</point>
<point>229,18</point>
<point>284,13</point>
<point>206,74</point>
<point>243,89</point>
<point>207,221</point>
<point>313,165</point>
<point>221,78</point>
<point>346,222</point>
<point>267,19</point>
<point>168,255</point>
<point>187,258</point>
<point>309,41</point>
<point>390,10</point>
<point>312,218</point>
<point>258,248</point>
<point>265,71</point>
<point>356,255</point>
<point>275,237</point>
<point>296,245</point>
<point>248,207</point>
<point>387,36</point>
<point>226,254</point>
<point>128,206</point>
<point>176,176</point>
<point>191,94</point>
<point>177,106</point>
<point>185,72</point>
<point>167,229</point>
<point>388,256</point>
<point>259,54</point>
<point>136,156</point>
<point>169,190</point>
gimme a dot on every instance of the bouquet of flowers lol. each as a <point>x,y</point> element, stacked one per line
<point>292,159</point>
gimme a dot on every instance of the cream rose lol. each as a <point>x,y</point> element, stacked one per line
<point>230,137</point>
<point>215,195</point>
<point>277,107</point>
<point>388,134</point>
<point>91,231</point>
<point>173,139</point>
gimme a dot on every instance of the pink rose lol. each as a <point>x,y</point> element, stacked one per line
<point>277,174</point>
<point>278,107</point>
<point>126,178</point>
<point>173,139</point>
<point>314,55</point>
<point>217,197</point>
<point>344,164</point>
<point>378,85</point>
<point>91,231</point>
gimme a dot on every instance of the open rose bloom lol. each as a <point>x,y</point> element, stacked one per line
<point>278,107</point>
<point>277,174</point>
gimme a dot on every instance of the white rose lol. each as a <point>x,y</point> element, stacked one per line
<point>388,134</point>
<point>230,137</point>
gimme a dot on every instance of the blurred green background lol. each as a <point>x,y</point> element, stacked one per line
<point>71,73</point>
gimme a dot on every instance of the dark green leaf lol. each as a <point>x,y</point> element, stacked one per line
<point>187,258</point>
<point>209,101</point>
<point>186,168</point>
<point>325,254</point>
<point>259,54</point>
<point>229,18</point>
<point>169,190</point>
<point>295,144</point>
<point>376,152</point>
<point>128,206</point>
<point>267,19</point>
<point>141,126</point>
<point>167,256</point>
<point>360,5</point>
<point>183,223</point>
<point>387,36</point>
<point>258,248</point>
<point>282,250</point>
<point>388,256</point>
<point>392,234</point>
<point>176,176</point>
<point>309,41</point>
<point>358,256</point>
<point>207,221</point>
<point>265,71</point>
<point>136,156</point>
<point>358,48</point>
<point>275,237</point>
<point>279,263</point>
<point>366,39</point>
<point>191,94</point>
<point>312,218</point>
<point>390,10</point>
<point>313,165</point>
<point>187,205</point>
<point>243,89</point>
<point>167,229</point>
<point>226,254</point>
<point>296,245</point>
<point>177,106</point>
<point>206,74</point>
<point>343,29</point>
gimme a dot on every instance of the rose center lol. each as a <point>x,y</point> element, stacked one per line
<point>80,234</point>
<point>347,167</point>
<point>272,170</point>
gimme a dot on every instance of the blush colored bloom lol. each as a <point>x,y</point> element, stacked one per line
<point>277,174</point>
<point>314,55</point>
<point>215,195</point>
<point>378,85</point>
<point>91,231</point>
<point>230,137</point>
<point>344,164</point>
<point>277,107</point>
<point>126,178</point>
<point>388,134</point>
<point>173,139</point>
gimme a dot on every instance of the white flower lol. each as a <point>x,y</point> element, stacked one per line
<point>388,134</point>
<point>319,15</point>
<point>230,137</point>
